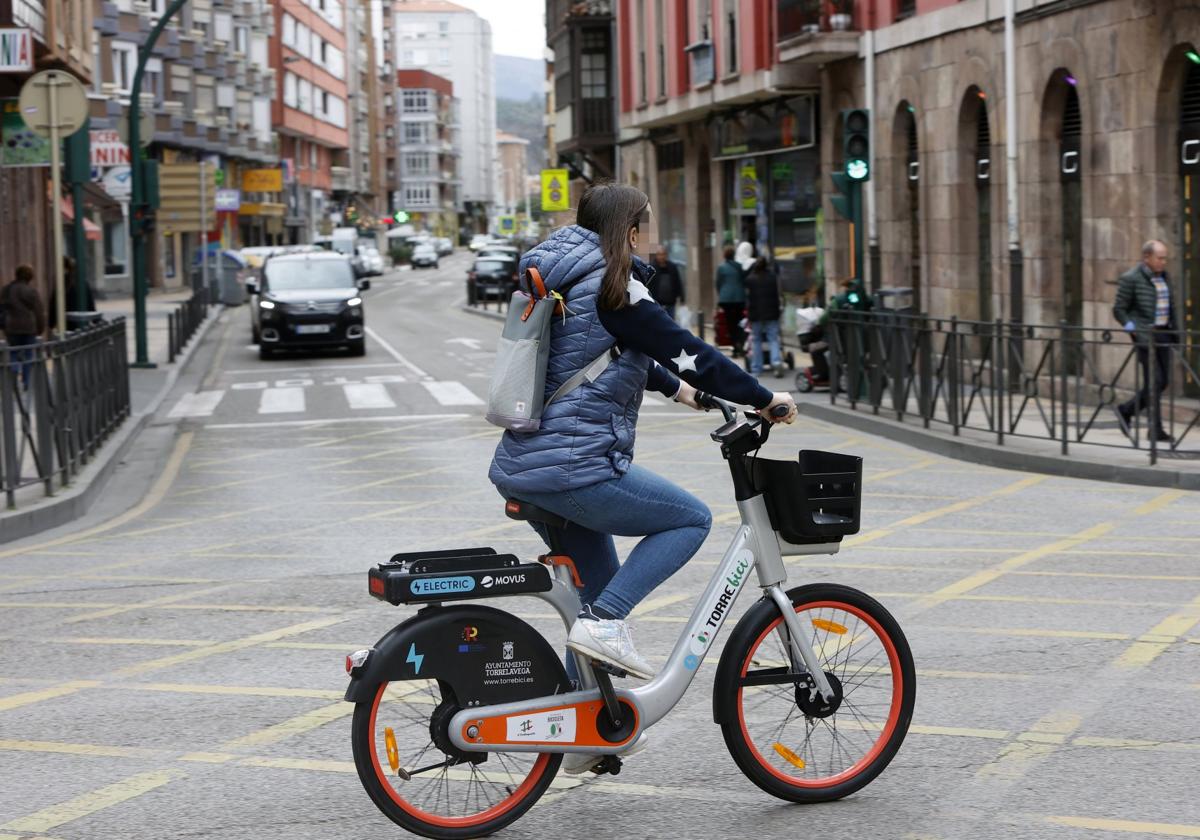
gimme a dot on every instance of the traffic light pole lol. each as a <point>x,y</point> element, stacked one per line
<point>138,187</point>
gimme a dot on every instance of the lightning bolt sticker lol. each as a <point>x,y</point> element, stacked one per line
<point>414,658</point>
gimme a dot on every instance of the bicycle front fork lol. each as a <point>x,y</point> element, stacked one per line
<point>795,633</point>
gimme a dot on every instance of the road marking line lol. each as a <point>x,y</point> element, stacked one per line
<point>152,604</point>
<point>199,404</point>
<point>227,647</point>
<point>1041,740</point>
<point>238,690</point>
<point>208,757</point>
<point>214,367</point>
<point>651,604</point>
<point>325,766</point>
<point>298,725</point>
<point>75,749</point>
<point>367,396</point>
<point>281,401</point>
<point>395,354</point>
<point>156,494</point>
<point>1160,502</point>
<point>1167,632</point>
<point>313,370</point>
<point>1134,826</point>
<point>97,800</point>
<point>986,576</point>
<point>283,424</point>
<point>1133,744</point>
<point>960,732</point>
<point>452,393</point>
<point>1036,632</point>
<point>16,701</point>
<point>119,640</point>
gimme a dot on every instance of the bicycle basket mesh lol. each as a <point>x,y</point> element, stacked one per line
<point>818,496</point>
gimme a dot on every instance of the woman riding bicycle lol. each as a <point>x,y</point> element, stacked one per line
<point>579,464</point>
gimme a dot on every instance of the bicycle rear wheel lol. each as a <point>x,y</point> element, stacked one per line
<point>780,731</point>
<point>452,794</point>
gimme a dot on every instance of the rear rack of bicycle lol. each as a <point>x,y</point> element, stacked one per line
<point>455,575</point>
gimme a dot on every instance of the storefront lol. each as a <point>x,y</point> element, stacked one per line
<point>671,211</point>
<point>771,184</point>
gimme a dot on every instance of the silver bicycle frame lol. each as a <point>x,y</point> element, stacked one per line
<point>756,546</point>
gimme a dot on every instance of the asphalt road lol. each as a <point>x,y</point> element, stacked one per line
<point>172,666</point>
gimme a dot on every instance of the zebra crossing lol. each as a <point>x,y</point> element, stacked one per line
<point>285,398</point>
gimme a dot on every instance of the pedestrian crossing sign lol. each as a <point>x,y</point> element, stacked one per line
<point>556,192</point>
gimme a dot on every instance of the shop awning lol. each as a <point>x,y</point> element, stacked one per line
<point>95,196</point>
<point>90,229</point>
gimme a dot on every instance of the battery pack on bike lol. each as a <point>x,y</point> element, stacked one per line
<point>455,575</point>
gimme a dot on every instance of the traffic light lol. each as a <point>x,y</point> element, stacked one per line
<point>848,203</point>
<point>856,143</point>
<point>401,217</point>
<point>843,200</point>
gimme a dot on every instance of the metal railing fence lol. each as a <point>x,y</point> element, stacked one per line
<point>184,320</point>
<point>1056,383</point>
<point>59,401</point>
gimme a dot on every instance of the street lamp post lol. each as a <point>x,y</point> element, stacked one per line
<point>138,199</point>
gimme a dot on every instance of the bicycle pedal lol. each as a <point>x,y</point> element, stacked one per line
<point>611,764</point>
<point>611,670</point>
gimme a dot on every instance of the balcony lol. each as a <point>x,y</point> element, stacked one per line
<point>816,31</point>
<point>340,178</point>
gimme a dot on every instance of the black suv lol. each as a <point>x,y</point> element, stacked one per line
<point>492,278</point>
<point>307,300</point>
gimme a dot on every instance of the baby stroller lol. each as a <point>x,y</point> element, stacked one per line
<point>811,336</point>
<point>789,360</point>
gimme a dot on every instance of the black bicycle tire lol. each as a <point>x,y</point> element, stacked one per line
<point>361,741</point>
<point>738,648</point>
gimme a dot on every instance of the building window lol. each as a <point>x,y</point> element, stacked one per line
<point>906,8</point>
<point>660,30</point>
<point>731,36</point>
<point>593,65</point>
<point>152,79</point>
<point>443,57</point>
<point>418,195</point>
<point>124,63</point>
<point>415,101</point>
<point>443,27</point>
<point>641,49</point>
<point>420,164</point>
<point>416,133</point>
<point>241,40</point>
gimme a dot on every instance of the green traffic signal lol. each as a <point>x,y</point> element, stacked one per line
<point>857,169</point>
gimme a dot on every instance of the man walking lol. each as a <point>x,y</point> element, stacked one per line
<point>1145,309</point>
<point>666,287</point>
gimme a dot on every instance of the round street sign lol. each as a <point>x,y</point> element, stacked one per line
<point>145,128</point>
<point>71,105</point>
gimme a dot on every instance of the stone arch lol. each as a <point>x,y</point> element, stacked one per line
<point>973,191</point>
<point>906,261</point>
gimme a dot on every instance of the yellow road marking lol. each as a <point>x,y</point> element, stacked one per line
<point>214,367</point>
<point>227,647</point>
<point>1134,744</point>
<point>16,701</point>
<point>1038,632</point>
<point>960,732</point>
<point>90,803</point>
<point>236,690</point>
<point>156,602</point>
<point>1159,502</point>
<point>75,749</point>
<point>156,494</point>
<point>1133,826</point>
<point>1017,756</point>
<point>324,766</point>
<point>298,725</point>
<point>120,640</point>
<point>208,757</point>
<point>986,576</point>
<point>651,604</point>
<point>1164,634</point>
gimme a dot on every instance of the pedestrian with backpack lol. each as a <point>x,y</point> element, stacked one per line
<point>611,342</point>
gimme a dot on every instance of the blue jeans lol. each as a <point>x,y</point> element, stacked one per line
<point>638,504</point>
<point>22,359</point>
<point>757,330</point>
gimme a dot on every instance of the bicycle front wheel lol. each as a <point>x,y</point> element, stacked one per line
<point>781,733</point>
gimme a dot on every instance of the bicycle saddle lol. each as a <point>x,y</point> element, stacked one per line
<point>517,509</point>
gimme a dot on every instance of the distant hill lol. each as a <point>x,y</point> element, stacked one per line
<point>525,119</point>
<point>518,78</point>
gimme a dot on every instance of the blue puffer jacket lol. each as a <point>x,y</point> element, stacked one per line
<point>587,435</point>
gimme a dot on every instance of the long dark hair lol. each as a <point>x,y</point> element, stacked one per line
<point>610,210</point>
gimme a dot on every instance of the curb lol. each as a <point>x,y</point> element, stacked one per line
<point>482,313</point>
<point>1008,458</point>
<point>74,501</point>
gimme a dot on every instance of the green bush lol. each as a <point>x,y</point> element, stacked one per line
<point>401,253</point>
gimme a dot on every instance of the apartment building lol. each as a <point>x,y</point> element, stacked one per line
<point>511,172</point>
<point>454,42</point>
<point>428,127</point>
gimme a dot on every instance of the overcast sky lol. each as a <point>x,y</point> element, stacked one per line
<point>517,25</point>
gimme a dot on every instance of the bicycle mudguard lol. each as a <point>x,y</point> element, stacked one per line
<point>486,655</point>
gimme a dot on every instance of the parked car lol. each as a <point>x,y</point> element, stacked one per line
<point>372,261</point>
<point>492,278</point>
<point>494,250</point>
<point>478,241</point>
<point>444,246</point>
<point>307,300</point>
<point>424,256</point>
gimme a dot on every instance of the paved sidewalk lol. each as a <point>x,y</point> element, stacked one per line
<point>35,511</point>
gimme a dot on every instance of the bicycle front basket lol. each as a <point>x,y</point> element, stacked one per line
<point>817,496</point>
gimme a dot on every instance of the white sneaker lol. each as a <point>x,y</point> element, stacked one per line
<point>576,763</point>
<point>609,641</point>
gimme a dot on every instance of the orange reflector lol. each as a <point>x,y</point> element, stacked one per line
<point>375,585</point>
<point>789,756</point>
<point>830,626</point>
<point>389,739</point>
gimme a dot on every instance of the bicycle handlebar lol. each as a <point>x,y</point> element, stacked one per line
<point>707,401</point>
